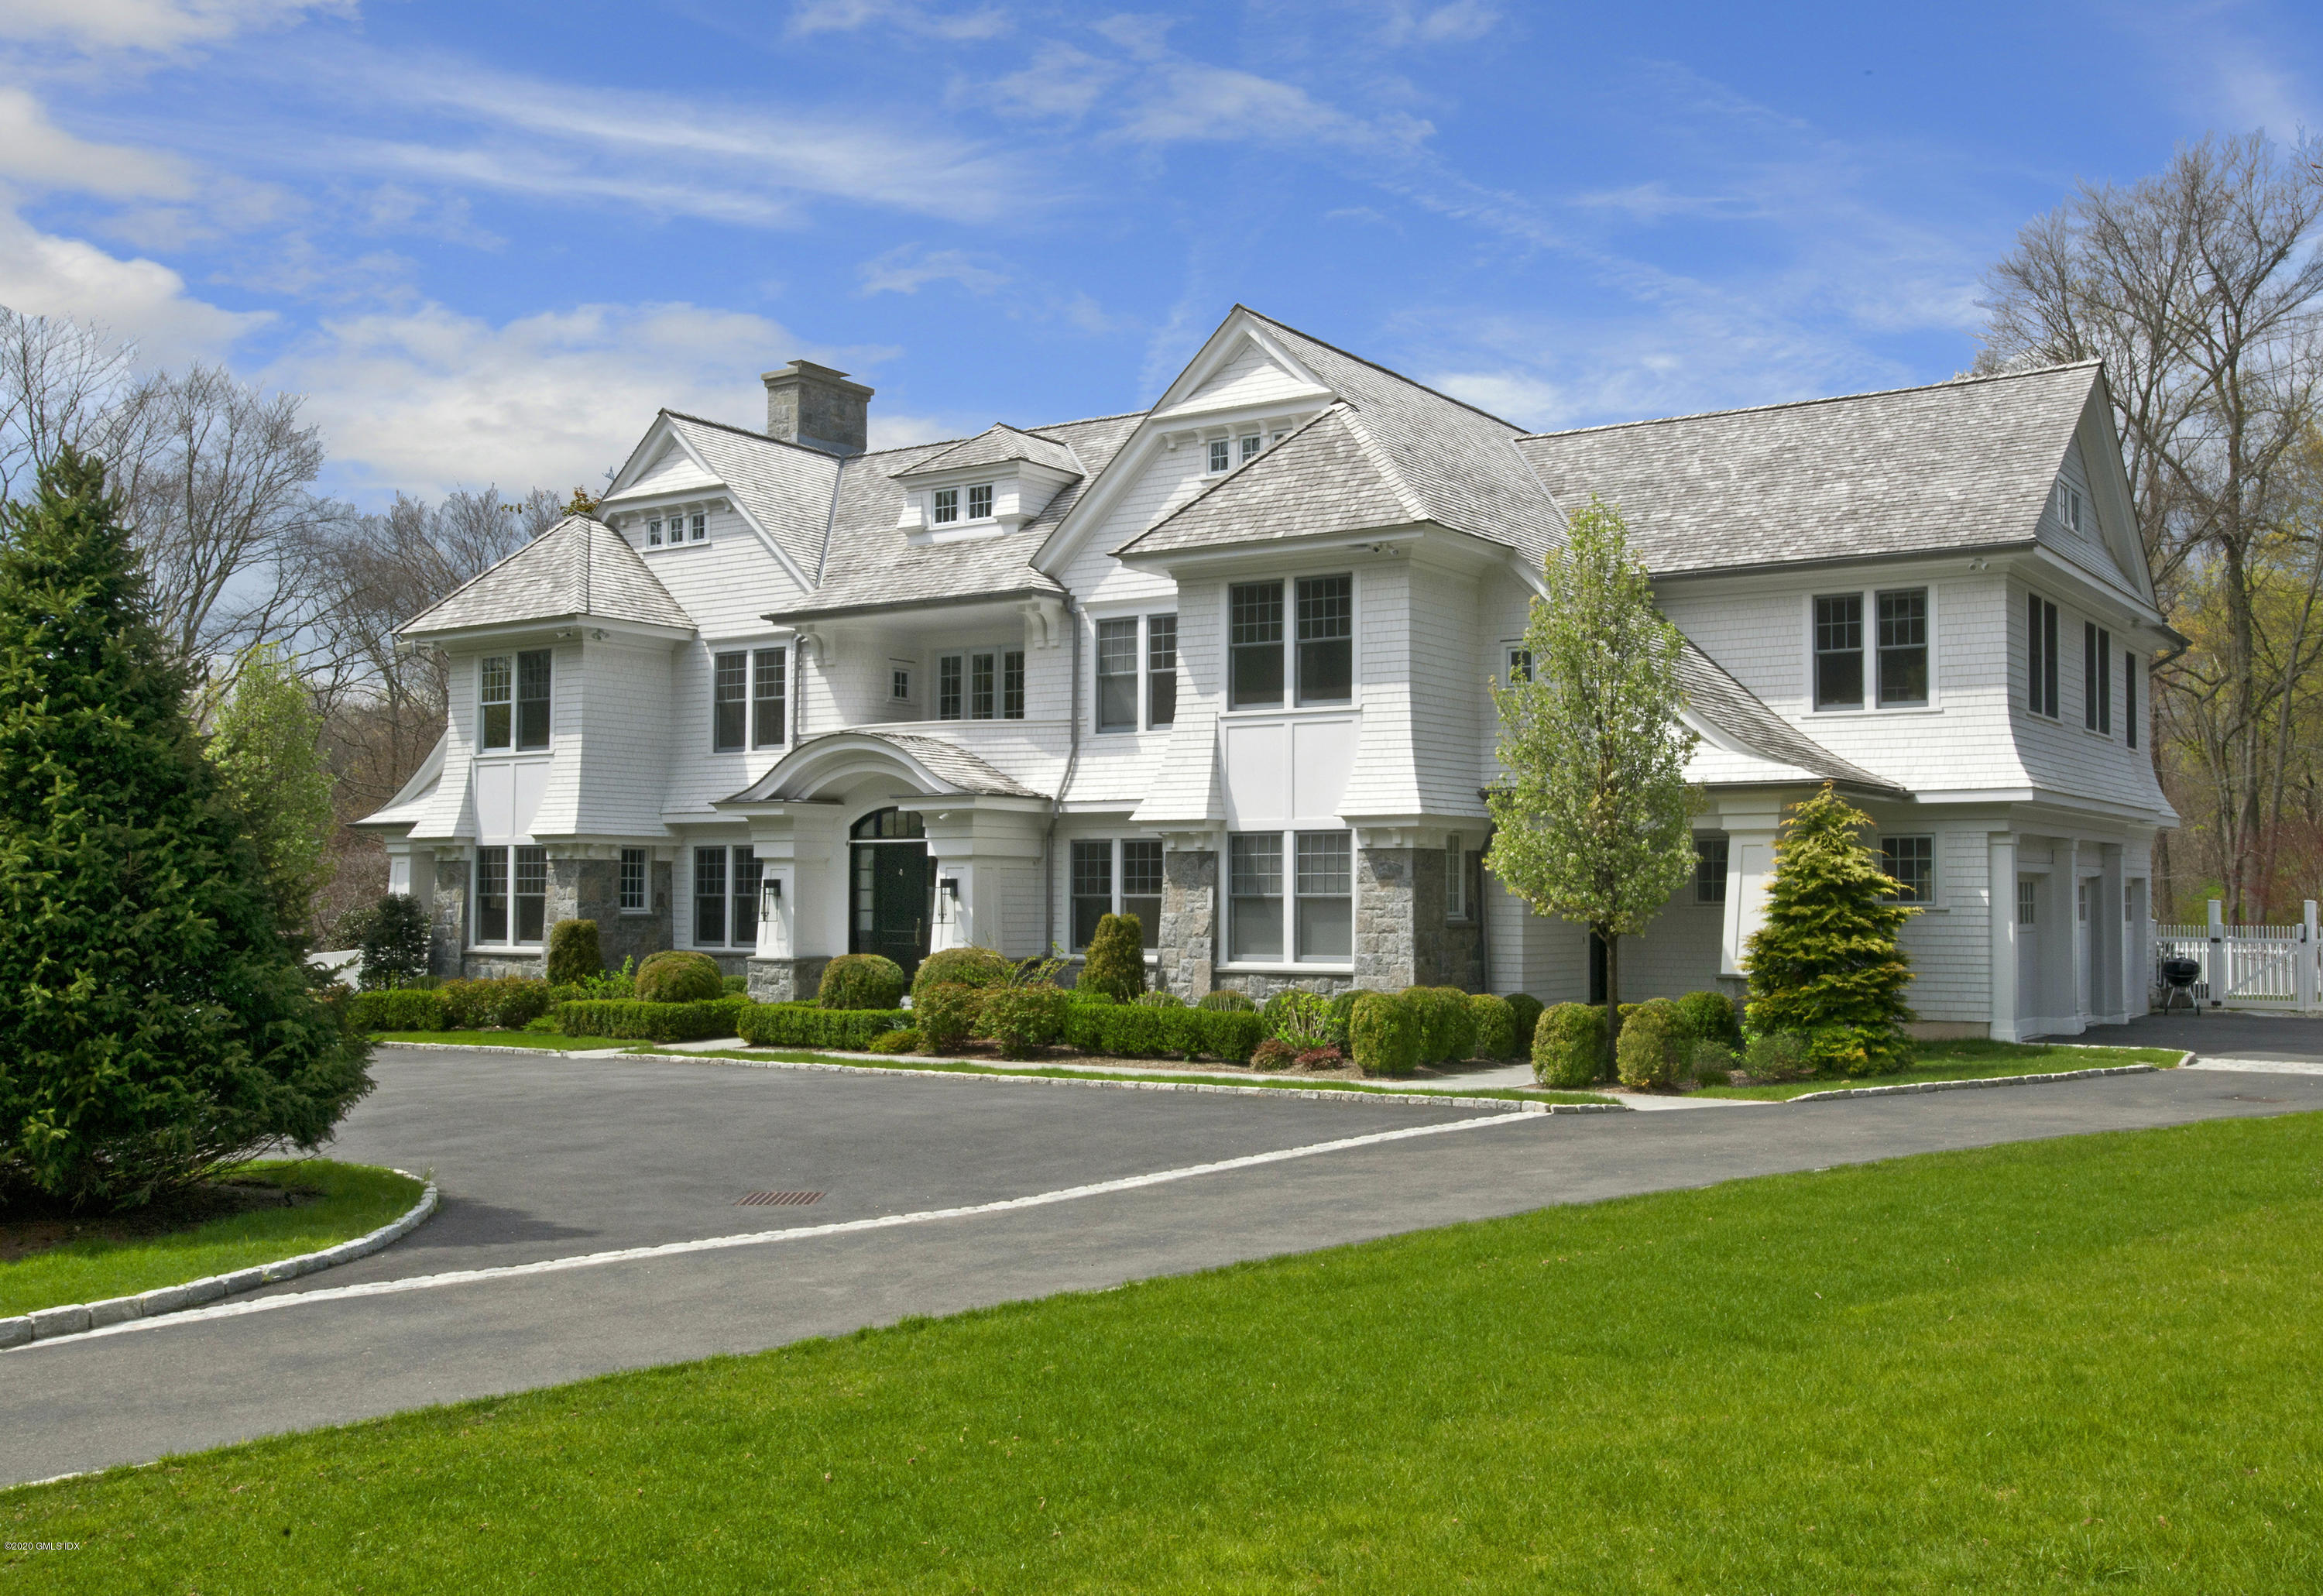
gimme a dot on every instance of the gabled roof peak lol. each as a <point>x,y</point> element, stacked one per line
<point>999,445</point>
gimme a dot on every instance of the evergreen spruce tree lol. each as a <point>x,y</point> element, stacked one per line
<point>153,1025</point>
<point>1825,962</point>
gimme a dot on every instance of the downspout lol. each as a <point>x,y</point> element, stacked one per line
<point>1057,803</point>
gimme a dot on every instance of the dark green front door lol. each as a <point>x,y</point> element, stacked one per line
<point>895,901</point>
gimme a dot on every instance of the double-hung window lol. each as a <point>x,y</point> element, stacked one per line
<point>2040,655</point>
<point>512,696</point>
<point>1221,455</point>
<point>1898,647</point>
<point>726,883</point>
<point>730,697</point>
<point>1910,862</point>
<point>1255,645</point>
<point>1839,652</point>
<point>1312,921</point>
<point>2097,678</point>
<point>633,881</point>
<point>710,897</point>
<point>1710,858</point>
<point>1247,446</point>
<point>749,693</point>
<point>511,895</point>
<point>979,502</point>
<point>769,696</point>
<point>1456,879</point>
<point>985,684</point>
<point>1256,641</point>
<point>1120,656</point>
<point>2129,697</point>
<point>946,506</point>
<point>1120,876</point>
<point>1903,646</point>
<point>1326,639</point>
<point>652,533</point>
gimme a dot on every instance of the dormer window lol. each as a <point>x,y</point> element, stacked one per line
<point>1249,442</point>
<point>979,502</point>
<point>652,533</point>
<point>947,507</point>
<point>1221,455</point>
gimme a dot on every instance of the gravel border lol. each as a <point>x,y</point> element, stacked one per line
<point>1962,1085</point>
<point>42,1324</point>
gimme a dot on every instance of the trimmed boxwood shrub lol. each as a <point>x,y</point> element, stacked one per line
<point>1709,1016</point>
<point>1494,1025</point>
<point>401,1009</point>
<point>811,1025</point>
<point>1115,963</point>
<point>861,981</point>
<point>906,1040</point>
<point>960,966</point>
<point>1386,1033</point>
<point>1226,1000</point>
<point>509,1002</point>
<point>671,977</point>
<point>947,1013</point>
<point>1232,1034</point>
<point>1646,1054</point>
<point>636,1019</point>
<point>573,953</point>
<point>1527,1009</point>
<point>1445,1031</point>
<point>1021,1018</point>
<point>1568,1045</point>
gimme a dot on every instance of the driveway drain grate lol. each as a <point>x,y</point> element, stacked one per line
<point>777,1199</point>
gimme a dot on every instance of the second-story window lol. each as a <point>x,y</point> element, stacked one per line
<point>750,692</point>
<point>946,506</point>
<point>2041,656</point>
<point>1326,633</point>
<point>1839,652</point>
<point>2097,678</point>
<point>1255,645</point>
<point>2129,697</point>
<point>1161,670</point>
<point>1221,455</point>
<point>979,502</point>
<point>729,695</point>
<point>981,685</point>
<point>513,692</point>
<point>770,697</point>
<point>947,686</point>
<point>1904,647</point>
<point>1116,675</point>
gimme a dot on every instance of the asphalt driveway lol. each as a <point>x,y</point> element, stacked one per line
<point>553,1158</point>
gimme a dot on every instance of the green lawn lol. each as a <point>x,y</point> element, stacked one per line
<point>1287,1082</point>
<point>506,1039</point>
<point>356,1199</point>
<point>1969,1061</point>
<point>2061,1365</point>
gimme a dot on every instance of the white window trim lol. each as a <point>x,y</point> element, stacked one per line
<point>1290,704</point>
<point>682,889</point>
<point>1512,646</point>
<point>1936,865</point>
<point>1869,593</point>
<point>646,907</point>
<point>1727,890</point>
<point>1113,841</point>
<point>1234,964</point>
<point>471,940</point>
<point>514,704</point>
<point>1144,615</point>
<point>962,652</point>
<point>749,653</point>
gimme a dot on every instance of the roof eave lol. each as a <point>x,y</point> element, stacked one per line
<point>489,631</point>
<point>881,606</point>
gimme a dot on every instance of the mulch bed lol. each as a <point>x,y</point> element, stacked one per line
<point>29,1227</point>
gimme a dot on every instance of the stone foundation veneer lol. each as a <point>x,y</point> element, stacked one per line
<point>783,980</point>
<point>448,916</point>
<point>1189,921</point>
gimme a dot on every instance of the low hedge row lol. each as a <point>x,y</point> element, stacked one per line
<point>810,1025</point>
<point>404,1008</point>
<point>1140,1031</point>
<point>635,1020</point>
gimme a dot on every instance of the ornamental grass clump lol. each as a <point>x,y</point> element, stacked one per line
<point>680,977</point>
<point>1568,1045</point>
<point>1115,963</point>
<point>155,1022</point>
<point>860,981</point>
<point>1825,962</point>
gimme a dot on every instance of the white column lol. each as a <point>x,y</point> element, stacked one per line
<point>2306,964</point>
<point>1750,869</point>
<point>2214,956</point>
<point>2001,852</point>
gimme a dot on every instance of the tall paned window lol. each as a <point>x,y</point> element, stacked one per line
<point>1904,647</point>
<point>1011,685</point>
<point>709,897</point>
<point>749,873</point>
<point>1255,645</point>
<point>2097,678</point>
<point>531,894</point>
<point>1116,675</point>
<point>1326,896</point>
<point>1161,670</point>
<point>949,678</point>
<point>983,688</point>
<point>1092,889</point>
<point>496,701</point>
<point>491,895</point>
<point>770,697</point>
<point>946,506</point>
<point>633,881</point>
<point>1839,652</point>
<point>1710,856</point>
<point>1255,893</point>
<point>729,698</point>
<point>1455,880</point>
<point>2041,656</point>
<point>1140,886</point>
<point>2028,901</point>
<point>2129,698</point>
<point>1911,863</point>
<point>1327,634</point>
<point>532,685</point>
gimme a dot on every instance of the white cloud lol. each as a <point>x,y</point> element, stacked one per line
<point>848,16</point>
<point>908,268</point>
<point>1462,22</point>
<point>140,300</point>
<point>1061,81</point>
<point>1185,101</point>
<point>1512,396</point>
<point>151,26</point>
<point>38,154</point>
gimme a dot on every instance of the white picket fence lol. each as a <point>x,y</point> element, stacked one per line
<point>2277,968</point>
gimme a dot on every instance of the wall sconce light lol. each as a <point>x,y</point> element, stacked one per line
<point>770,897</point>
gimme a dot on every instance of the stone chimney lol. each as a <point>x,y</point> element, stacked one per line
<point>817,407</point>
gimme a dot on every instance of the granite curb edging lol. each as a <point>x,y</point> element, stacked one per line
<point>73,1318</point>
<point>1988,1080</point>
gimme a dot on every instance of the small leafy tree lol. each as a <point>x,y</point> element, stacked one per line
<point>1592,818</point>
<point>267,747</point>
<point>153,1023</point>
<point>394,941</point>
<point>1115,964</point>
<point>1825,963</point>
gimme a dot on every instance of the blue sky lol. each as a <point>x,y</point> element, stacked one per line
<point>487,241</point>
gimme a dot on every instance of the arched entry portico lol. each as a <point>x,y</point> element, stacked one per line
<point>891,887</point>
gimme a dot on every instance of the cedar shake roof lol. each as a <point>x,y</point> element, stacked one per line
<point>578,568</point>
<point>1745,719</point>
<point>948,762</point>
<point>1000,445</point>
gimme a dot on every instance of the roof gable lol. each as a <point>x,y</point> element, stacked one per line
<point>999,445</point>
<point>578,568</point>
<point>1326,477</point>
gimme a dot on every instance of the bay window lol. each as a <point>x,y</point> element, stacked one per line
<point>1255,645</point>
<point>512,698</point>
<point>1303,915</point>
<point>511,895</point>
<point>1324,672</point>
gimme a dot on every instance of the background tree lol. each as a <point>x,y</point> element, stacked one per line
<point>2201,288</point>
<point>154,1026</point>
<point>1592,816</point>
<point>1825,962</point>
<point>266,744</point>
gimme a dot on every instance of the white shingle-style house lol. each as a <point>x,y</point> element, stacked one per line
<point>1223,663</point>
